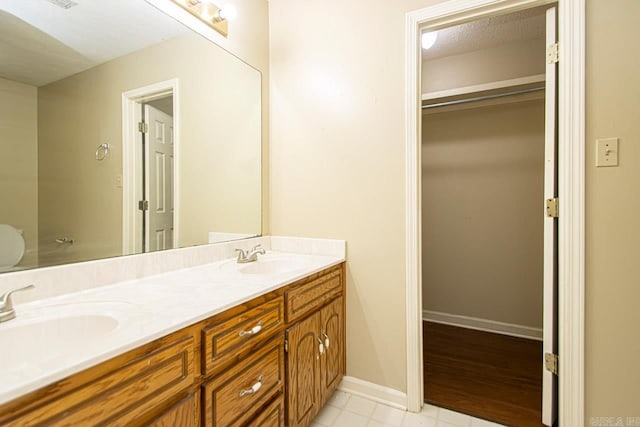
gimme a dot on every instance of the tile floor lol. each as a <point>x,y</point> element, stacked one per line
<point>347,410</point>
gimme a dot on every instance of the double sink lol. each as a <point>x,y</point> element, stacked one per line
<point>65,334</point>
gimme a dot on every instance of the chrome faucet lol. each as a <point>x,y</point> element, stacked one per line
<point>6,306</point>
<point>251,255</point>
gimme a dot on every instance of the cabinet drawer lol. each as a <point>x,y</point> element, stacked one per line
<point>122,395</point>
<point>232,398</point>
<point>271,416</point>
<point>228,340</point>
<point>310,296</point>
<point>185,413</point>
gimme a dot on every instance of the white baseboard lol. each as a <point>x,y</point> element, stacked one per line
<point>483,325</point>
<point>377,393</point>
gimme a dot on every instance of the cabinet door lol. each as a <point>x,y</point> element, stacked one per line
<point>185,413</point>
<point>332,366</point>
<point>303,372</point>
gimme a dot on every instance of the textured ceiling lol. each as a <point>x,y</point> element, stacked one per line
<point>488,33</point>
<point>41,42</point>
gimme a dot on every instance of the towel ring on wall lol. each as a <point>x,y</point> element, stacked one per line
<point>102,152</point>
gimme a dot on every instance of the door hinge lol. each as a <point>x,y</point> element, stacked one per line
<point>143,127</point>
<point>143,205</point>
<point>552,53</point>
<point>552,208</point>
<point>286,346</point>
<point>551,363</point>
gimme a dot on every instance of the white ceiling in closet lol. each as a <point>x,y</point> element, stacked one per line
<point>488,33</point>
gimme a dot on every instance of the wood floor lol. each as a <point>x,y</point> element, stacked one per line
<point>490,376</point>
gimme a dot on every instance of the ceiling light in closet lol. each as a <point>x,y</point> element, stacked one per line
<point>429,39</point>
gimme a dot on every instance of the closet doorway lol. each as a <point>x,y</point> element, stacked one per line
<point>488,239</point>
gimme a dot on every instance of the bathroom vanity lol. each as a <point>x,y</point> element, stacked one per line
<point>269,353</point>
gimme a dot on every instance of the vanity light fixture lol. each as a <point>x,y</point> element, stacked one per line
<point>212,15</point>
<point>429,39</point>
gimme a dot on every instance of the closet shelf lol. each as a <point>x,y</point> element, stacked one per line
<point>490,90</point>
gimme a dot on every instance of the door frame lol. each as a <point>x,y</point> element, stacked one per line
<point>131,115</point>
<point>571,190</point>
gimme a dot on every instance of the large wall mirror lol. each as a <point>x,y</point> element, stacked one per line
<point>121,131</point>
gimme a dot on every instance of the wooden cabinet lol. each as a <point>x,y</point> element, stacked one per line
<point>332,364</point>
<point>316,349</point>
<point>271,416</point>
<point>184,413</point>
<point>229,370</point>
<point>237,395</point>
<point>230,336</point>
<point>308,295</point>
<point>115,393</point>
<point>303,371</point>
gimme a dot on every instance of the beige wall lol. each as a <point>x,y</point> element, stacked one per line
<point>482,176</point>
<point>510,61</point>
<point>337,158</point>
<point>338,171</point>
<point>19,163</point>
<point>613,211</point>
<point>219,153</point>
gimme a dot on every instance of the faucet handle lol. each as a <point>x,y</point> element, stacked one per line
<point>256,247</point>
<point>6,305</point>
<point>241,254</point>
<point>5,300</point>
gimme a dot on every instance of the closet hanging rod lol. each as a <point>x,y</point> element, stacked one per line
<point>482,98</point>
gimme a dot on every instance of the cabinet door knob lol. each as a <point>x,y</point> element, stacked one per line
<point>253,389</point>
<point>326,340</point>
<point>320,346</point>
<point>253,330</point>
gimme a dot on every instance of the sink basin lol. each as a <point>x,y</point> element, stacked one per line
<point>273,266</point>
<point>37,340</point>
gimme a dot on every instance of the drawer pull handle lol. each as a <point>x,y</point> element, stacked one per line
<point>253,330</point>
<point>254,388</point>
<point>326,341</point>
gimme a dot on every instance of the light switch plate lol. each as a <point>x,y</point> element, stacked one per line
<point>607,152</point>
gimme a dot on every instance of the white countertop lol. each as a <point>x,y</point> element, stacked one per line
<point>145,310</point>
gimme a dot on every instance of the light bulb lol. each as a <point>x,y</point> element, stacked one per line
<point>429,39</point>
<point>228,12</point>
<point>206,14</point>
